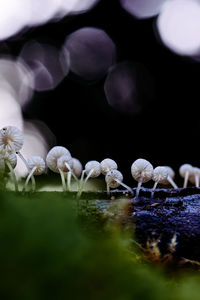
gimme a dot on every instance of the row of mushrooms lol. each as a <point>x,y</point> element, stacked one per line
<point>59,160</point>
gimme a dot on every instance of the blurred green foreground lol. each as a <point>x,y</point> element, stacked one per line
<point>47,251</point>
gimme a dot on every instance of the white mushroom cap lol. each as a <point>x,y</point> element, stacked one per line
<point>194,172</point>
<point>64,159</point>
<point>10,157</point>
<point>54,154</point>
<point>39,163</point>
<point>77,167</point>
<point>184,169</point>
<point>142,170</point>
<point>107,165</point>
<point>95,166</point>
<point>170,171</point>
<point>111,177</point>
<point>160,174</point>
<point>11,139</point>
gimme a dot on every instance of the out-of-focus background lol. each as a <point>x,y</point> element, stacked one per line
<point>104,78</point>
<point>117,78</point>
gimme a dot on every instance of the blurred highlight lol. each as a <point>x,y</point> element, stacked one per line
<point>179,25</point>
<point>128,86</point>
<point>16,90</point>
<point>18,78</point>
<point>16,15</point>
<point>92,52</point>
<point>142,8</point>
<point>48,64</point>
<point>76,6</point>
<point>10,112</point>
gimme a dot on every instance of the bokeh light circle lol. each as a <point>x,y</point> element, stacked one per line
<point>91,51</point>
<point>179,25</point>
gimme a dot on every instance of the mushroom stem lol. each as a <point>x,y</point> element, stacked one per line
<point>197,180</point>
<point>108,190</point>
<point>154,187</point>
<point>82,176</point>
<point>186,179</point>
<point>69,176</point>
<point>83,183</point>
<point>13,176</point>
<point>33,183</point>
<point>125,186</point>
<point>138,188</point>
<point>70,169</point>
<point>80,188</point>
<point>27,166</point>
<point>29,177</point>
<point>88,176</point>
<point>23,159</point>
<point>63,180</point>
<point>171,181</point>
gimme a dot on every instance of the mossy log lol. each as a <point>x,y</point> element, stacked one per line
<point>170,213</point>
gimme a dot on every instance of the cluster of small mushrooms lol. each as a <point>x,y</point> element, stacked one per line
<point>59,160</point>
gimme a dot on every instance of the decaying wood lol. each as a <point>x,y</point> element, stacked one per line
<point>171,213</point>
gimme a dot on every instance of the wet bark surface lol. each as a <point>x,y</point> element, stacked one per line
<point>167,213</point>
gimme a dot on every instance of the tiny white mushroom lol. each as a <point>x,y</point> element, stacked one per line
<point>37,167</point>
<point>185,171</point>
<point>64,165</point>
<point>114,178</point>
<point>52,162</point>
<point>54,154</point>
<point>160,175</point>
<point>8,163</point>
<point>77,169</point>
<point>108,165</point>
<point>194,178</point>
<point>171,175</point>
<point>12,140</point>
<point>93,170</point>
<point>142,172</point>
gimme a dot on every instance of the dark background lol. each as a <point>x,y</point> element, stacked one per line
<point>166,131</point>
